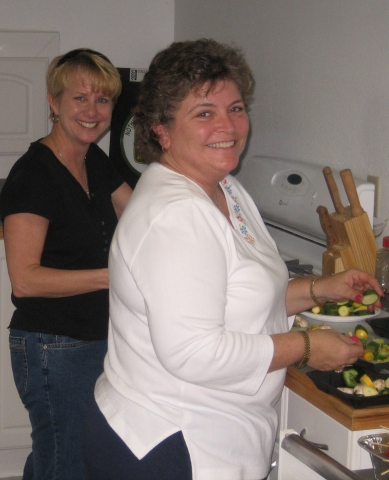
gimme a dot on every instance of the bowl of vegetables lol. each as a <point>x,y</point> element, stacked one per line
<point>347,311</point>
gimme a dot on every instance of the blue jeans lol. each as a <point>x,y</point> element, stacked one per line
<point>55,376</point>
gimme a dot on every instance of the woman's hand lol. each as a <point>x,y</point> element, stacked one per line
<point>329,350</point>
<point>348,285</point>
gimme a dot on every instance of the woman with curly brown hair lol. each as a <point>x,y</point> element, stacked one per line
<point>199,298</point>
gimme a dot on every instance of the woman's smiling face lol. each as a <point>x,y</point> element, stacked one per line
<point>84,114</point>
<point>208,134</point>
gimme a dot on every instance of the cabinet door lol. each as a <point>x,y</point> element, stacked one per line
<point>24,58</point>
<point>319,427</point>
<point>298,414</point>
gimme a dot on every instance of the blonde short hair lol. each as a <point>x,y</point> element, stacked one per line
<point>93,66</point>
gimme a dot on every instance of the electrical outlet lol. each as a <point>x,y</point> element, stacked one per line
<point>377,193</point>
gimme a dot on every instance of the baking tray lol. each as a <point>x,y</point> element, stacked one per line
<point>380,326</point>
<point>372,366</point>
<point>329,382</point>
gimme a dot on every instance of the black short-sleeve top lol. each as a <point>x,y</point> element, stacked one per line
<point>79,235</point>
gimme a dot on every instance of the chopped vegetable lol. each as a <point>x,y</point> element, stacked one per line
<point>368,356</point>
<point>346,390</point>
<point>361,332</point>
<point>367,380</point>
<point>383,352</point>
<point>369,391</point>
<point>348,307</point>
<point>316,309</point>
<point>370,297</point>
<point>299,321</point>
<point>350,377</point>
<point>373,348</point>
<point>356,304</point>
<point>379,384</point>
<point>358,389</point>
<point>343,311</point>
<point>362,308</point>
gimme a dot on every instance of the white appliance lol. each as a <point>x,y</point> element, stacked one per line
<point>287,193</point>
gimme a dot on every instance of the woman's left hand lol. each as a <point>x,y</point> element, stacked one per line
<point>348,285</point>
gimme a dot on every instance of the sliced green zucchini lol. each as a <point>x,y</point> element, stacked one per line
<point>370,297</point>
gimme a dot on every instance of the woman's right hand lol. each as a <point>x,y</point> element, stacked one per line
<point>331,350</point>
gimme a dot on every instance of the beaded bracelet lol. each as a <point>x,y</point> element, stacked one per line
<point>307,351</point>
<point>311,291</point>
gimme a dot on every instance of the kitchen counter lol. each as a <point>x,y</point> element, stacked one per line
<point>354,419</point>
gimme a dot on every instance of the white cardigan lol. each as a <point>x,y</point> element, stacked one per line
<point>193,301</point>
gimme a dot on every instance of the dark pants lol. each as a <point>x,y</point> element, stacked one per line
<point>107,457</point>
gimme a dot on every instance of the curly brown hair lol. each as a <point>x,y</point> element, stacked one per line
<point>176,71</point>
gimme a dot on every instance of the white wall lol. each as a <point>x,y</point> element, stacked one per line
<point>322,73</point>
<point>129,32</point>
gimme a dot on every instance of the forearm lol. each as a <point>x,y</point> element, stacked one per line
<point>298,295</point>
<point>327,350</point>
<point>38,281</point>
<point>288,349</point>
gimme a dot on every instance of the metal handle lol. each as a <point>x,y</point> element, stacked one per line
<point>321,446</point>
<point>316,460</point>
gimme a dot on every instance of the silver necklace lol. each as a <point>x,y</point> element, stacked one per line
<point>83,169</point>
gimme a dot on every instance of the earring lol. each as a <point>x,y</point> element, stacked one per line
<point>164,150</point>
<point>54,117</point>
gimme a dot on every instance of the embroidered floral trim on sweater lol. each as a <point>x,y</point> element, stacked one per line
<point>238,213</point>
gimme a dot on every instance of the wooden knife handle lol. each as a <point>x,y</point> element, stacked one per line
<point>333,189</point>
<point>326,225</point>
<point>351,192</point>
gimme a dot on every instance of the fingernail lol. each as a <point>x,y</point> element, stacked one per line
<point>359,298</point>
